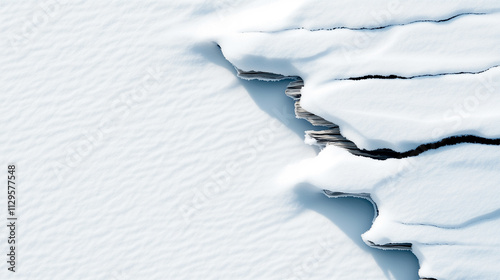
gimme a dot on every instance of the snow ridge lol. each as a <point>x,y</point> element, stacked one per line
<point>374,28</point>
<point>409,120</point>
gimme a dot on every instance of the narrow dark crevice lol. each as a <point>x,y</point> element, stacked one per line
<point>396,77</point>
<point>454,140</point>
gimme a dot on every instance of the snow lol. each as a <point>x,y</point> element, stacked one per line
<point>451,69</point>
<point>443,202</point>
<point>279,15</point>
<point>141,155</point>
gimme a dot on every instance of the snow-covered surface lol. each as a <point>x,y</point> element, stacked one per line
<point>141,155</point>
<point>278,15</point>
<point>396,75</point>
<point>451,72</point>
<point>444,202</point>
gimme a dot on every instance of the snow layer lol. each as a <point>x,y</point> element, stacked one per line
<point>280,15</point>
<point>395,87</point>
<point>443,202</point>
<point>395,76</point>
<point>141,155</point>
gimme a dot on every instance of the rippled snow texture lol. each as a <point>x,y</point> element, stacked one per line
<point>141,155</point>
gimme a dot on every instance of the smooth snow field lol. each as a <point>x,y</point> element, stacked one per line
<point>141,154</point>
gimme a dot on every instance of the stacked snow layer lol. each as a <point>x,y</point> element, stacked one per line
<point>391,87</point>
<point>396,75</point>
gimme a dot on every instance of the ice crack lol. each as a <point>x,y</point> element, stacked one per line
<point>372,28</point>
